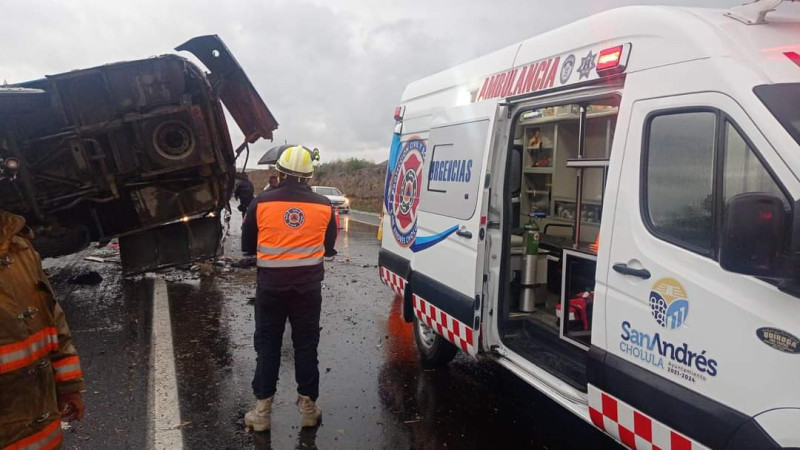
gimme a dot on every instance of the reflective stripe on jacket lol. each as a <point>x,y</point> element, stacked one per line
<point>27,351</point>
<point>47,438</point>
<point>290,229</point>
<point>37,359</point>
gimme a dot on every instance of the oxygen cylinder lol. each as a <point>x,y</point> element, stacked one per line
<point>531,236</point>
<point>530,240</point>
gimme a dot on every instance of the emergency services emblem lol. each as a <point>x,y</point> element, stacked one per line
<point>669,303</point>
<point>587,64</point>
<point>566,69</point>
<point>294,218</point>
<point>404,189</point>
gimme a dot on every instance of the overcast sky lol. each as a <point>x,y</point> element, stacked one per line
<point>330,71</point>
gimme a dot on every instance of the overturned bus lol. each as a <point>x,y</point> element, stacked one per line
<point>138,150</point>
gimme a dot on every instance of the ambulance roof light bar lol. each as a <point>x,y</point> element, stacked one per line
<point>613,60</point>
<point>754,12</point>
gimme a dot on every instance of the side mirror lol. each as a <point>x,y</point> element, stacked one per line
<point>753,235</point>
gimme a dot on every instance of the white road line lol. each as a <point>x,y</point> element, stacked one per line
<point>165,408</point>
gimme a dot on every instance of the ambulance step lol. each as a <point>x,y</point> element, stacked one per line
<point>546,350</point>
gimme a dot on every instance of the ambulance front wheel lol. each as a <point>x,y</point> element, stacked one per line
<point>434,350</point>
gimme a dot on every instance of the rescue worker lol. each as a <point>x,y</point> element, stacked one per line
<point>244,192</point>
<point>40,373</point>
<point>290,229</point>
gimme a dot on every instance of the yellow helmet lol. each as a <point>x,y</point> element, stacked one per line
<point>298,161</point>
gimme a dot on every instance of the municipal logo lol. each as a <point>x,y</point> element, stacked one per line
<point>566,69</point>
<point>294,218</point>
<point>669,303</point>
<point>404,189</point>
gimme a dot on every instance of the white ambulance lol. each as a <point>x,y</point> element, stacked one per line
<point>659,148</point>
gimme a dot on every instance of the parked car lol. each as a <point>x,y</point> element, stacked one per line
<point>338,200</point>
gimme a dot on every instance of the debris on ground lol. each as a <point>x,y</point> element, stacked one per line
<point>87,278</point>
<point>108,253</point>
<point>96,259</point>
<point>105,253</point>
<point>205,269</point>
<point>244,262</point>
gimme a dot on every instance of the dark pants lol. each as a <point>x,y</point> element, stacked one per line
<point>301,305</point>
<point>244,203</point>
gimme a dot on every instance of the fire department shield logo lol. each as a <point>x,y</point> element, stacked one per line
<point>404,190</point>
<point>294,218</point>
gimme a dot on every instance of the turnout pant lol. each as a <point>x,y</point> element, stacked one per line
<point>301,305</point>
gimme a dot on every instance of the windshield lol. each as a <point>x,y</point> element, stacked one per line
<point>782,100</point>
<point>328,191</point>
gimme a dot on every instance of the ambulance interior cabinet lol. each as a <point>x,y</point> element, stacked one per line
<point>550,186</point>
<point>577,297</point>
<point>538,158</point>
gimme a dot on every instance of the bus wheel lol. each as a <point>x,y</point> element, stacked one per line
<point>434,350</point>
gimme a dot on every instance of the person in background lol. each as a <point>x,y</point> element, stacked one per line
<point>290,229</point>
<point>244,192</point>
<point>40,372</point>
<point>273,183</point>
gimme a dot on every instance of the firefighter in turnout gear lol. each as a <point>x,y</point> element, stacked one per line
<point>290,229</point>
<point>40,374</point>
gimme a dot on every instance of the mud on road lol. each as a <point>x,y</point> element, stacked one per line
<point>374,392</point>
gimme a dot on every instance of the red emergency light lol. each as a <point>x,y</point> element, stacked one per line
<point>609,58</point>
<point>613,60</point>
<point>398,113</point>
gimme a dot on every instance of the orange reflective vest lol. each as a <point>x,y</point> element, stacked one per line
<point>291,234</point>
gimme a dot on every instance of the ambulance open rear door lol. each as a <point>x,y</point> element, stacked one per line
<point>448,268</point>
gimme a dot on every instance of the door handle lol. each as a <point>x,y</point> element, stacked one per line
<point>464,234</point>
<point>625,270</point>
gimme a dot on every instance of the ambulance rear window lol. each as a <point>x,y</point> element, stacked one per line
<point>783,101</point>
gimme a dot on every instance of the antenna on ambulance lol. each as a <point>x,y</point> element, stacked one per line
<point>755,12</point>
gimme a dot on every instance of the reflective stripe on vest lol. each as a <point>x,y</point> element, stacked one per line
<point>68,368</point>
<point>281,263</point>
<point>50,437</point>
<point>291,250</point>
<point>27,351</point>
<point>291,234</point>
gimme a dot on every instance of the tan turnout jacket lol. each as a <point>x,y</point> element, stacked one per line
<point>37,359</point>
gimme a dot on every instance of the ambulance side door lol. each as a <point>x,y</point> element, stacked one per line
<point>681,347</point>
<point>447,270</point>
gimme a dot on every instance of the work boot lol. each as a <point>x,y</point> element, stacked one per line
<point>260,418</point>
<point>309,411</point>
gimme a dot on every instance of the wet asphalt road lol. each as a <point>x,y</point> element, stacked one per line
<point>374,392</point>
